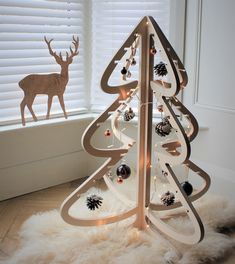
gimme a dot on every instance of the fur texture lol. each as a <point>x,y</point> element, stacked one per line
<point>45,238</point>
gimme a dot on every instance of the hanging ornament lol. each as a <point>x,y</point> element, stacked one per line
<point>119,179</point>
<point>160,108</point>
<point>123,171</point>
<point>124,71</point>
<point>153,51</point>
<point>168,198</point>
<point>128,114</point>
<point>93,201</point>
<point>164,173</point>
<point>187,187</point>
<point>133,62</point>
<point>163,128</point>
<point>110,175</point>
<point>133,51</point>
<point>107,133</point>
<point>160,69</point>
<point>128,75</point>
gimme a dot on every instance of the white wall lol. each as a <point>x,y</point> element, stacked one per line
<point>210,63</point>
<point>37,157</point>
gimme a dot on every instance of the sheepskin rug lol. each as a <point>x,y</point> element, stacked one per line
<point>46,238</point>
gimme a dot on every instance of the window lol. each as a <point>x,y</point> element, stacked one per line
<point>102,26</point>
<point>112,22</point>
<point>23,51</point>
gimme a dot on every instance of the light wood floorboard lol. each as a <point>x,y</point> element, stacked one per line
<point>14,212</point>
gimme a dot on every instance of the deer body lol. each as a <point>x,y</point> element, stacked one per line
<point>48,84</point>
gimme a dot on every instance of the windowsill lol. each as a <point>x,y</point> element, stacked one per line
<point>72,118</point>
<point>53,121</point>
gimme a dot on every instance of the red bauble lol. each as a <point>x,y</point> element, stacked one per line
<point>160,108</point>
<point>153,51</point>
<point>107,133</point>
<point>119,180</point>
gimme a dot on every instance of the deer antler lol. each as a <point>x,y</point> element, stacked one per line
<point>53,53</point>
<point>59,58</point>
<point>75,52</point>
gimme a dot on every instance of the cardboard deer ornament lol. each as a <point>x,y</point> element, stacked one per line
<point>50,84</point>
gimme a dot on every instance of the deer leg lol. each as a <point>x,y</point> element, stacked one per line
<point>61,99</point>
<point>29,103</point>
<point>22,107</point>
<point>49,102</point>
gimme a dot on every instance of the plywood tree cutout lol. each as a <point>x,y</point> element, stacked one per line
<point>169,153</point>
<point>53,84</point>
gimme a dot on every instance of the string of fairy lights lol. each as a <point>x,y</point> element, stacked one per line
<point>162,128</point>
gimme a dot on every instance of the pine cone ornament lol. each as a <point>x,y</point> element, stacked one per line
<point>160,69</point>
<point>128,115</point>
<point>93,201</point>
<point>163,128</point>
<point>168,198</point>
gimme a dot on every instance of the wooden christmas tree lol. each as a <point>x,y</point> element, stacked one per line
<point>171,77</point>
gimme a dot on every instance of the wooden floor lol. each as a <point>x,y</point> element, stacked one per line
<point>14,212</point>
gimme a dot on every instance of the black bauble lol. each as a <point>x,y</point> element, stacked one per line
<point>124,71</point>
<point>123,171</point>
<point>187,187</point>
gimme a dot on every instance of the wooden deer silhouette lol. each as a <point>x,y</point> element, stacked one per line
<point>49,84</point>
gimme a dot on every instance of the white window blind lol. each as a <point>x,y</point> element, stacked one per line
<point>23,25</point>
<point>112,22</point>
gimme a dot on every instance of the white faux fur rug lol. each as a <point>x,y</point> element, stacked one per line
<point>45,238</point>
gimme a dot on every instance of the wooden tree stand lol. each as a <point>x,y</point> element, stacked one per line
<point>171,153</point>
